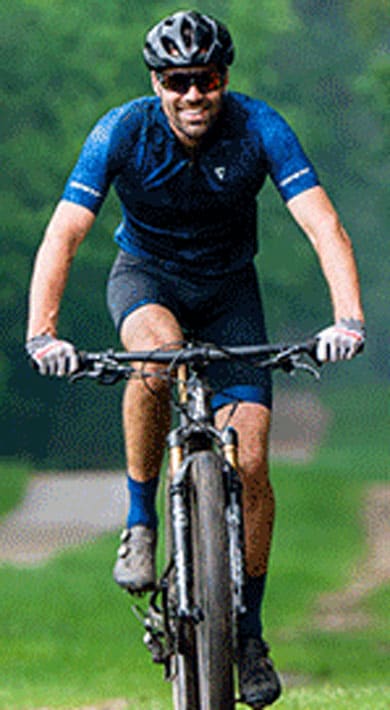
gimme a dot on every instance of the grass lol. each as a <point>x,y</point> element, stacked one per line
<point>357,442</point>
<point>68,638</point>
<point>13,482</point>
<point>336,698</point>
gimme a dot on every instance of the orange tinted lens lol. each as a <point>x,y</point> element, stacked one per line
<point>181,82</point>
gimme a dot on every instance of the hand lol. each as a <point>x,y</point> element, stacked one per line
<point>52,356</point>
<point>340,341</point>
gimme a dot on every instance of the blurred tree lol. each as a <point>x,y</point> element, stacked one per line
<point>64,64</point>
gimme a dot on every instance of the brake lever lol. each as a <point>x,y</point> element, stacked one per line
<point>106,372</point>
<point>290,362</point>
<point>297,364</point>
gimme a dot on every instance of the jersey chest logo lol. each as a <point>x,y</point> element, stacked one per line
<point>220,172</point>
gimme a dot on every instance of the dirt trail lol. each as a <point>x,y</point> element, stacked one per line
<point>67,509</point>
<point>342,610</point>
<point>60,511</point>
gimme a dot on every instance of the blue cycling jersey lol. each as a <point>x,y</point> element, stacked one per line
<point>196,213</point>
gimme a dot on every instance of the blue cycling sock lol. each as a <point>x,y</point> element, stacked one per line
<point>249,623</point>
<point>142,509</point>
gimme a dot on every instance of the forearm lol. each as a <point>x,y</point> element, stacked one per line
<point>339,268</point>
<point>67,228</point>
<point>315,214</point>
<point>47,286</point>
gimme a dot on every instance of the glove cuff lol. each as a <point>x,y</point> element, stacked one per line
<point>353,324</point>
<point>38,342</point>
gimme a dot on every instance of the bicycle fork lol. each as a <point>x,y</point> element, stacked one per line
<point>181,532</point>
<point>234,521</point>
<point>181,525</point>
<point>159,637</point>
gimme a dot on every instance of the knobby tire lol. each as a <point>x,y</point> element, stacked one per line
<point>212,587</point>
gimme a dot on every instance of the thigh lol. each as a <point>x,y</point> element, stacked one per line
<point>134,283</point>
<point>238,320</point>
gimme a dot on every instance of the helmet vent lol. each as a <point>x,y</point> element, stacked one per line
<point>187,34</point>
<point>170,47</point>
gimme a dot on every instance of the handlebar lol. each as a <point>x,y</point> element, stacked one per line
<point>109,366</point>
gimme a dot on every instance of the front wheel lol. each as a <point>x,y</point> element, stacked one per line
<point>212,587</point>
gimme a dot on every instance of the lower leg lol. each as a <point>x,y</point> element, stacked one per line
<point>252,423</point>
<point>258,503</point>
<point>146,421</point>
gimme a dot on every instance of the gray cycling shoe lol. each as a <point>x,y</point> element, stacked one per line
<point>135,567</point>
<point>258,681</point>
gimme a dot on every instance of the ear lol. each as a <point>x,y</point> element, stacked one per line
<point>155,83</point>
<point>226,80</point>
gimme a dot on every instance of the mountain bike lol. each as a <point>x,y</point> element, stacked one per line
<point>190,626</point>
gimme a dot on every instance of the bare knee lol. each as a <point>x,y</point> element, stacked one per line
<point>148,328</point>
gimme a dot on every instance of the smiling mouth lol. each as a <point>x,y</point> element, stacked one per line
<point>195,114</point>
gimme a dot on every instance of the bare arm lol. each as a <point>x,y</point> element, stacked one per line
<point>67,228</point>
<point>315,214</point>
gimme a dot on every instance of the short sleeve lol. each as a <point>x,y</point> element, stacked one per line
<point>289,167</point>
<point>91,177</point>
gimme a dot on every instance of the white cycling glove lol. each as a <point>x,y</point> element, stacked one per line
<point>52,356</point>
<point>340,341</point>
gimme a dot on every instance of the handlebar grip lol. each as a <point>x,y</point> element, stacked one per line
<point>82,357</point>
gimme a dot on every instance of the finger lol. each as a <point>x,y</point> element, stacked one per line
<point>352,350</point>
<point>321,350</point>
<point>42,367</point>
<point>346,347</point>
<point>52,364</point>
<point>61,361</point>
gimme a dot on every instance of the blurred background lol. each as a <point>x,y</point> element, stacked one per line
<point>66,634</point>
<point>323,65</point>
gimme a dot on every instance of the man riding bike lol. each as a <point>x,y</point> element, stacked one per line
<point>187,165</point>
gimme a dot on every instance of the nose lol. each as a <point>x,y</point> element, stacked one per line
<point>193,94</point>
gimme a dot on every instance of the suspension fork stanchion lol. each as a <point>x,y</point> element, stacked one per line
<point>178,505</point>
<point>182,374</point>
<point>235,521</point>
<point>180,528</point>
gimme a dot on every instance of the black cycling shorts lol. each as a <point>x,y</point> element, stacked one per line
<point>225,310</point>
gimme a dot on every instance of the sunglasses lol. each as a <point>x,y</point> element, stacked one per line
<point>181,82</point>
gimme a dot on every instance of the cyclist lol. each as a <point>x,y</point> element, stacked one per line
<point>187,165</point>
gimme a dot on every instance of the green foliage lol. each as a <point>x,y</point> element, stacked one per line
<point>322,65</point>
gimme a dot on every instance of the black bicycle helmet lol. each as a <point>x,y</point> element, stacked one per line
<point>188,39</point>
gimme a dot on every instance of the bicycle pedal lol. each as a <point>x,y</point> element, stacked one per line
<point>155,646</point>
